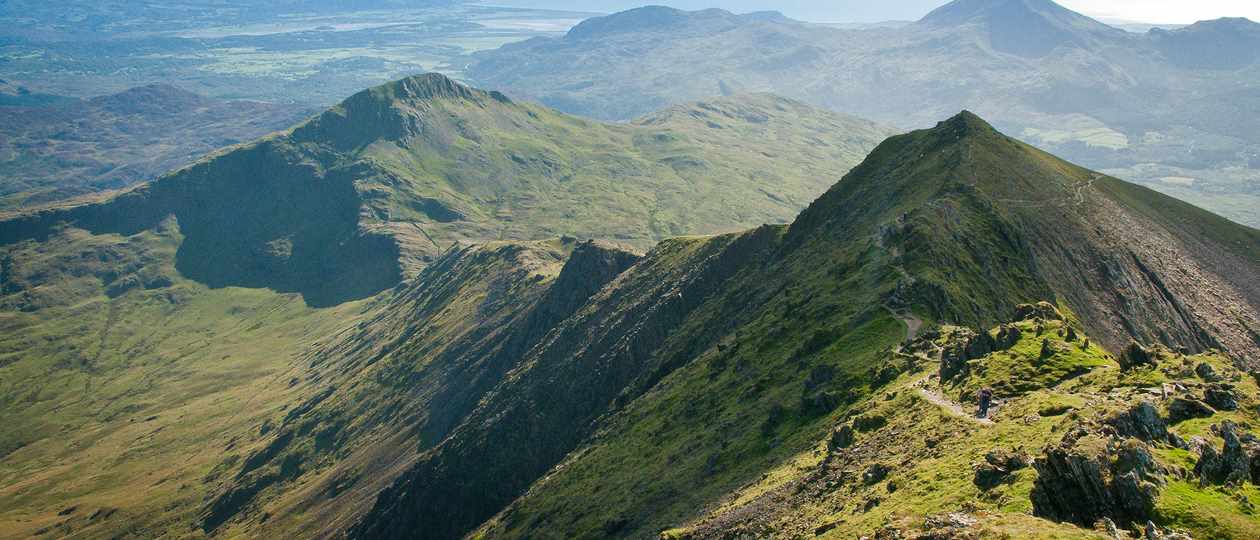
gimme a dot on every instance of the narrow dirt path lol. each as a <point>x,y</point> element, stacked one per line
<point>912,322</point>
<point>949,406</point>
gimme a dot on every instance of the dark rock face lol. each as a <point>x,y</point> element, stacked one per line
<point>1206,372</point>
<point>1221,397</point>
<point>1140,422</point>
<point>1231,465</point>
<point>997,468</point>
<point>1082,481</point>
<point>1007,336</point>
<point>841,438</point>
<point>1134,356</point>
<point>1182,408</point>
<point>875,474</point>
<point>963,346</point>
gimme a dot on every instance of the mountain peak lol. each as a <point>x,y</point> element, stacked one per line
<point>967,123</point>
<point>1031,28</point>
<point>649,18</point>
<point>425,87</point>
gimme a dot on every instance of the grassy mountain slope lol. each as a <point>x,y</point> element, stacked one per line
<point>123,384</point>
<point>927,466</point>
<point>715,360</point>
<point>343,205</point>
<point>55,151</point>
<point>1072,85</point>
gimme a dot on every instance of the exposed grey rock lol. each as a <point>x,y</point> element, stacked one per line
<point>1206,372</point>
<point>1230,465</point>
<point>997,468</point>
<point>1007,336</point>
<point>1142,421</point>
<point>1221,396</point>
<point>1183,408</point>
<point>875,474</point>
<point>1134,356</point>
<point>1084,480</point>
<point>841,437</point>
<point>963,345</point>
<point>1043,310</point>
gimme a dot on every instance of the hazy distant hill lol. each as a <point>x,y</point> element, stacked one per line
<point>1169,108</point>
<point>57,149</point>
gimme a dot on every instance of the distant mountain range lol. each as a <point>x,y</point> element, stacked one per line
<point>53,148</point>
<point>1161,108</point>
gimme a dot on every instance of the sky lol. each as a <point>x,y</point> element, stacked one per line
<point>1147,11</point>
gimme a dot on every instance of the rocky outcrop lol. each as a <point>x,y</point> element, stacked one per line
<point>1134,356</point>
<point>1087,479</point>
<point>1185,408</point>
<point>997,468</point>
<point>963,345</point>
<point>1230,465</point>
<point>1040,310</point>
<point>1007,336</point>
<point>1206,372</point>
<point>842,437</point>
<point>1142,422</point>
<point>1221,396</point>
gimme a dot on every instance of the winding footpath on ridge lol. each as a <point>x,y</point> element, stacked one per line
<point>913,325</point>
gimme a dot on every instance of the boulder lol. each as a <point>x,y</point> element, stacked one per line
<point>1206,372</point>
<point>1152,532</point>
<point>997,468</point>
<point>1253,454</point>
<point>1083,480</point>
<point>963,345</point>
<point>1007,336</point>
<point>1047,349</point>
<point>875,474</point>
<point>1230,465</point>
<point>1184,408</point>
<point>842,437</point>
<point>1142,421</point>
<point>1221,396</point>
<point>1134,356</point>
<point>1043,310</point>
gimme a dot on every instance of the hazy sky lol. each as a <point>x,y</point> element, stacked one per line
<point>1158,11</point>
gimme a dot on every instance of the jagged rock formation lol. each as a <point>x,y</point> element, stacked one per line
<point>1085,479</point>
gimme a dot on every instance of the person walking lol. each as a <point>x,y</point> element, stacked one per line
<point>986,400</point>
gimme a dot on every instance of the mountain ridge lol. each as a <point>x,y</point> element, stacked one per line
<point>1093,94</point>
<point>397,173</point>
<point>920,227</point>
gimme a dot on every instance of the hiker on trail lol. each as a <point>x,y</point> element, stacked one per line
<point>986,400</point>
